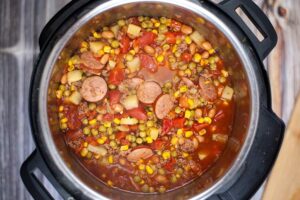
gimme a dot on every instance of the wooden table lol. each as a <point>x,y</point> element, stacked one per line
<point>21,21</point>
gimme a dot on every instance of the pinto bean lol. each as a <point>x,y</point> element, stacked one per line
<point>192,48</point>
<point>138,154</point>
<point>93,89</point>
<point>104,59</point>
<point>186,29</point>
<point>148,92</point>
<point>163,106</point>
<point>108,34</point>
<point>150,50</point>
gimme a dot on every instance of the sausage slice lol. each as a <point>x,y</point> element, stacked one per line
<point>90,63</point>
<point>163,106</point>
<point>207,90</point>
<point>93,89</point>
<point>148,92</point>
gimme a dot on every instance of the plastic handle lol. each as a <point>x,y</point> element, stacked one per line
<point>261,158</point>
<point>57,21</point>
<point>258,18</point>
<point>33,185</point>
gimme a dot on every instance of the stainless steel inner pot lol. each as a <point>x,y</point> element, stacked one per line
<point>207,20</point>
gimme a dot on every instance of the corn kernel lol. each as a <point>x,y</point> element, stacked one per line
<point>110,183</point>
<point>124,148</point>
<point>225,73</point>
<point>188,72</point>
<point>59,94</point>
<point>211,51</point>
<point>176,94</point>
<point>174,49</point>
<point>117,121</point>
<point>101,52</point>
<point>64,120</point>
<point>96,35</point>
<point>178,41</point>
<point>166,155</point>
<point>157,24</point>
<point>179,132</point>
<point>83,50</point>
<point>132,52</point>
<point>142,167</point>
<point>155,31</point>
<point>115,44</point>
<point>201,120</point>
<point>85,144</point>
<point>191,103</point>
<point>93,122</point>
<point>202,132</point>
<point>73,88</point>
<point>184,154</point>
<point>197,57</point>
<point>183,89</point>
<point>160,58</point>
<point>174,140</point>
<point>70,62</point>
<point>188,40</point>
<point>71,68</point>
<point>84,152</point>
<point>102,140</point>
<point>187,114</point>
<point>149,169</point>
<point>188,134</point>
<point>106,49</point>
<point>149,140</point>
<point>107,124</point>
<point>207,120</point>
<point>110,159</point>
<point>61,108</point>
<point>84,45</point>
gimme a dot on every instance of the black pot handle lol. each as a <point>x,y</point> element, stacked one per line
<point>261,158</point>
<point>34,186</point>
<point>58,19</point>
<point>258,18</point>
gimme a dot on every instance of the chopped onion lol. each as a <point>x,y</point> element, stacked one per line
<point>129,121</point>
<point>130,102</point>
<point>197,38</point>
<point>95,47</point>
<point>97,149</point>
<point>227,93</point>
<point>133,30</point>
<point>134,65</point>
<point>123,128</point>
<point>75,98</point>
<point>74,76</point>
<point>220,138</point>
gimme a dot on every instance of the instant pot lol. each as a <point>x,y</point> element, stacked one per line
<point>256,133</point>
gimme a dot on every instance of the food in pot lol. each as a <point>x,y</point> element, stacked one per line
<point>146,104</point>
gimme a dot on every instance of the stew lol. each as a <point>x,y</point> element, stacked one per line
<point>146,104</point>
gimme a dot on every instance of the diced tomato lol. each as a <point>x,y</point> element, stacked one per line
<point>133,127</point>
<point>116,76</point>
<point>125,44</point>
<point>138,113</point>
<point>146,39</point>
<point>124,142</point>
<point>148,62</point>
<point>120,135</point>
<point>187,57</point>
<point>198,127</point>
<point>166,126</point>
<point>220,64</point>
<point>114,96</point>
<point>158,144</point>
<point>71,113</point>
<point>108,117</point>
<point>176,25</point>
<point>91,140</point>
<point>178,122</point>
<point>170,165</point>
<point>171,37</point>
<point>119,116</point>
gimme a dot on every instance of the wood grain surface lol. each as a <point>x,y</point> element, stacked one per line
<point>21,21</point>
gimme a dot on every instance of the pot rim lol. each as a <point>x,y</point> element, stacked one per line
<point>244,52</point>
